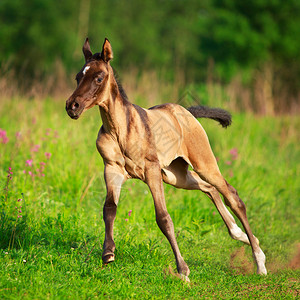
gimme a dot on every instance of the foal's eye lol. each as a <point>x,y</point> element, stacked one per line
<point>99,79</point>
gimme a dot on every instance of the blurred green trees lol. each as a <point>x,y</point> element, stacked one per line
<point>223,37</point>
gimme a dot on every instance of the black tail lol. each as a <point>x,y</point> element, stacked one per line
<point>217,114</point>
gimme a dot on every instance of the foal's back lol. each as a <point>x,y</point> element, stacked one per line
<point>174,129</point>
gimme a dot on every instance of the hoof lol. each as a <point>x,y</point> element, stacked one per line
<point>260,261</point>
<point>184,278</point>
<point>108,257</point>
<point>262,271</point>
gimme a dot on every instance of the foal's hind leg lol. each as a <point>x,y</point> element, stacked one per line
<point>178,175</point>
<point>208,170</point>
<point>233,200</point>
<point>201,157</point>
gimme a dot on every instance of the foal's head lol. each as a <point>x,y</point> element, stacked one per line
<point>93,80</point>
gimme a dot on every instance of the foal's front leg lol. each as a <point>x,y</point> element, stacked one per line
<point>163,219</point>
<point>114,179</point>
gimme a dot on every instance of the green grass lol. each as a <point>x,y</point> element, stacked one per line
<point>54,250</point>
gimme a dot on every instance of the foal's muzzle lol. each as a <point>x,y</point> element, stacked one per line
<point>74,108</point>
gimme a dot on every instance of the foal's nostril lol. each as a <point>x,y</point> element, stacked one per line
<point>75,105</point>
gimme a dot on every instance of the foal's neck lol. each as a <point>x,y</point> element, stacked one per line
<point>114,110</point>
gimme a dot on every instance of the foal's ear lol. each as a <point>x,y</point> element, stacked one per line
<point>106,53</point>
<point>86,49</point>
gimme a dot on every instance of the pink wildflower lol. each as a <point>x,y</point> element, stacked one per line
<point>129,213</point>
<point>48,155</point>
<point>9,172</point>
<point>35,148</point>
<point>126,220</point>
<point>18,134</point>
<point>48,130</point>
<point>29,162</point>
<point>228,162</point>
<point>3,136</point>
<point>2,133</point>
<point>234,153</point>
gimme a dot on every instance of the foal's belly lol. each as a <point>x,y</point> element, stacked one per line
<point>167,135</point>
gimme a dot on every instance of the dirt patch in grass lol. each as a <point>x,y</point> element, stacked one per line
<point>243,264</point>
<point>294,264</point>
<point>240,262</point>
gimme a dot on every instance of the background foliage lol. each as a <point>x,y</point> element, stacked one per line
<point>251,41</point>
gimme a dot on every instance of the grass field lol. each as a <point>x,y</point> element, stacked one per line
<point>51,228</point>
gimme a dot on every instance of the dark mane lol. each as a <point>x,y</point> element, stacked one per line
<point>97,56</point>
<point>120,87</point>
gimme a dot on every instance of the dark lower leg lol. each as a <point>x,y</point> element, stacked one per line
<point>165,224</point>
<point>109,214</point>
<point>163,219</point>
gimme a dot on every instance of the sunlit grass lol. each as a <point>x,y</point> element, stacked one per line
<point>51,240</point>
